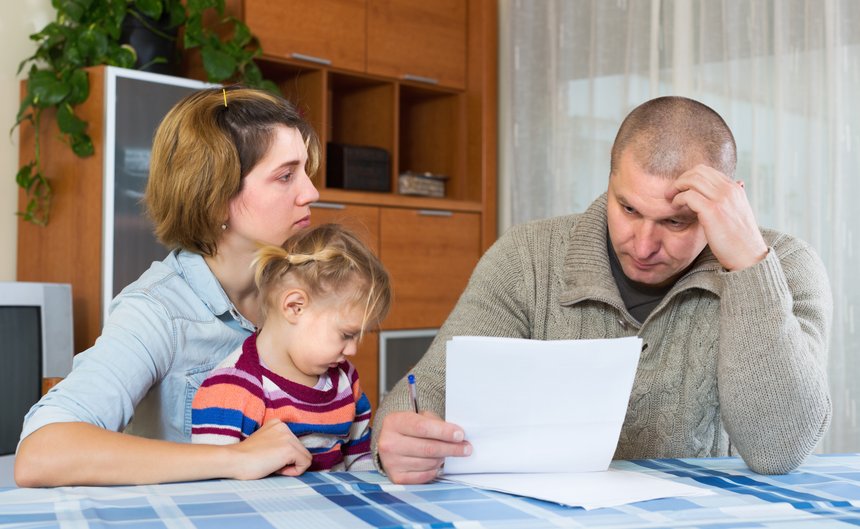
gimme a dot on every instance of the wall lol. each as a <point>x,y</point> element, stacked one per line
<point>16,25</point>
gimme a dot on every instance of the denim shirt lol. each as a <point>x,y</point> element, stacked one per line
<point>165,332</point>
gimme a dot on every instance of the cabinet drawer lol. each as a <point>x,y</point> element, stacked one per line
<point>363,220</point>
<point>329,32</point>
<point>430,256</point>
<point>418,39</point>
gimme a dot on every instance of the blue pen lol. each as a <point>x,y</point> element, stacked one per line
<point>413,392</point>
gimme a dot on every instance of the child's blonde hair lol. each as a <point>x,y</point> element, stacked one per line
<point>325,260</point>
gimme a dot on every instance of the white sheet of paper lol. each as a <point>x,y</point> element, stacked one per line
<point>589,490</point>
<point>534,406</point>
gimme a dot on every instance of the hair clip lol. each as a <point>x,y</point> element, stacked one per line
<point>225,96</point>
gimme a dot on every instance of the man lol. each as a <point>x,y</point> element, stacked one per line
<point>734,319</point>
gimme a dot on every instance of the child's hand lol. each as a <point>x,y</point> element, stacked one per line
<point>271,449</point>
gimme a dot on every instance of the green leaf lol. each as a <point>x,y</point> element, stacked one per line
<point>93,45</point>
<point>26,103</point>
<point>82,145</point>
<point>198,6</point>
<point>271,87</point>
<point>219,66</point>
<point>73,56</point>
<point>24,178</point>
<point>177,14</point>
<point>241,33</point>
<point>47,90</point>
<point>251,76</point>
<point>68,122</point>
<point>124,56</point>
<point>72,9</point>
<point>150,8</point>
<point>79,87</point>
<point>193,31</point>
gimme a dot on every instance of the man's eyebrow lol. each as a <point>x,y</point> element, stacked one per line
<point>620,198</point>
<point>684,217</point>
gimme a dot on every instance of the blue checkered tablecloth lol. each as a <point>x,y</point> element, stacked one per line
<point>824,492</point>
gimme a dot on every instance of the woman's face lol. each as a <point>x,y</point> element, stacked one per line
<point>277,193</point>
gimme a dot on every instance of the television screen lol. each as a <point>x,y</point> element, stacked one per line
<point>20,370</point>
<point>399,351</point>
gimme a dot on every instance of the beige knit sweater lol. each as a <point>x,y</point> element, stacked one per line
<point>734,363</point>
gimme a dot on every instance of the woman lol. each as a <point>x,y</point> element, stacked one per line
<point>229,170</point>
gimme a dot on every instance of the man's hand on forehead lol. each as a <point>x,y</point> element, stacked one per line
<point>724,212</point>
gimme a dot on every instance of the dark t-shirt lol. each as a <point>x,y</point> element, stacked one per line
<point>639,299</point>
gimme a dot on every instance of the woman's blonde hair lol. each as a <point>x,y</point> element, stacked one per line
<point>202,151</point>
<point>323,260</point>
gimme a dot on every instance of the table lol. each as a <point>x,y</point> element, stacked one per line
<point>823,493</point>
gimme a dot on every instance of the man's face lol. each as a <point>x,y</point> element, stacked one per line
<point>654,241</point>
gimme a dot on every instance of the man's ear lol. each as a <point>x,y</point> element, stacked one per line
<point>294,303</point>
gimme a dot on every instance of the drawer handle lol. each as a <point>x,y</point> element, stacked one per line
<point>310,58</point>
<point>435,213</point>
<point>327,205</point>
<point>420,79</point>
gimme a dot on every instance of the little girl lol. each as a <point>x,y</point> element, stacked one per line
<point>321,290</point>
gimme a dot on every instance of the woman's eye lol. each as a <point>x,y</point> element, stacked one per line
<point>285,176</point>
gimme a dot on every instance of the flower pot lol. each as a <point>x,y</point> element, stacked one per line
<point>151,40</point>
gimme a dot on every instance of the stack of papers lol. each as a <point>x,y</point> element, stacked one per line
<point>544,417</point>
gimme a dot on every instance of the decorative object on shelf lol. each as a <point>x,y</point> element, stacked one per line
<point>92,33</point>
<point>422,184</point>
<point>357,167</point>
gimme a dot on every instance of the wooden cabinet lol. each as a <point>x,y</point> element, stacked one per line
<point>430,255</point>
<point>330,32</point>
<point>447,128</point>
<point>363,220</point>
<point>418,40</point>
<point>426,94</point>
<point>415,40</point>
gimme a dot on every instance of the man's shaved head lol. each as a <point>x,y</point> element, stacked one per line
<point>669,135</point>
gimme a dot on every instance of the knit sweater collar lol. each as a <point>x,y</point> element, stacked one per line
<point>586,264</point>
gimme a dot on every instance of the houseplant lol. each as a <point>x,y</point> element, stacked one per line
<point>90,32</point>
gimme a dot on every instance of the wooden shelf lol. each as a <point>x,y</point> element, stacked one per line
<point>399,201</point>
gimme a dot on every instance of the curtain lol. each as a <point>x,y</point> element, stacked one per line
<point>784,74</point>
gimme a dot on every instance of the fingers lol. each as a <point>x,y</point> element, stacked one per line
<point>426,425</point>
<point>406,469</point>
<point>412,447</point>
<point>273,448</point>
<point>291,471</point>
<point>413,478</point>
<point>705,181</point>
<point>724,212</point>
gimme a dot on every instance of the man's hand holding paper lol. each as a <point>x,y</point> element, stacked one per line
<point>544,406</point>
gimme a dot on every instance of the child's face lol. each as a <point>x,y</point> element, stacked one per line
<point>326,334</point>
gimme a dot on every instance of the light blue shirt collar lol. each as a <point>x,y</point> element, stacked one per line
<point>203,282</point>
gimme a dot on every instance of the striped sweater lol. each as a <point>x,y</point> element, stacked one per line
<point>331,419</point>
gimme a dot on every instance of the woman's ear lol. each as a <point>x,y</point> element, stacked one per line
<point>294,303</point>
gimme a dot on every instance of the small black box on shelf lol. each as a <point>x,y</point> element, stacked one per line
<point>357,167</point>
